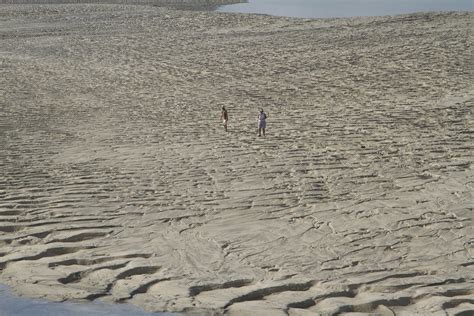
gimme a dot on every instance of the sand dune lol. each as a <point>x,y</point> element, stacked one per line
<point>119,184</point>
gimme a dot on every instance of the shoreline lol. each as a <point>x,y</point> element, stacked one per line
<point>118,183</point>
<point>22,306</point>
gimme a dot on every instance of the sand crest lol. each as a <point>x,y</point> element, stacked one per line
<point>118,183</point>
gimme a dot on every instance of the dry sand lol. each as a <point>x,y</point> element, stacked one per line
<point>118,183</point>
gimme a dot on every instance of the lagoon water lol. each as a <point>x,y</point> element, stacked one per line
<point>345,8</point>
<point>12,305</point>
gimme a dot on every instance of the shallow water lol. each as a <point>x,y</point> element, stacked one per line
<point>345,8</point>
<point>12,305</point>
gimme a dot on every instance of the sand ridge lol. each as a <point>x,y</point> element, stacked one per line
<point>119,184</point>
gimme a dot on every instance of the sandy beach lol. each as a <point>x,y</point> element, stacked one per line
<point>119,184</point>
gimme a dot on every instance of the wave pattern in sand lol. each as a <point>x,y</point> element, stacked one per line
<point>118,183</point>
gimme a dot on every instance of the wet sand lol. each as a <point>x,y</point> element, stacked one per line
<point>118,183</point>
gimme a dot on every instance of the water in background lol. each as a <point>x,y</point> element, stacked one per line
<point>11,305</point>
<point>345,8</point>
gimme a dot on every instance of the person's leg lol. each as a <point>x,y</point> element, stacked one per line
<point>263,130</point>
<point>259,131</point>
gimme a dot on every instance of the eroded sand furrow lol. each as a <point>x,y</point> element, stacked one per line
<point>94,261</point>
<point>47,252</point>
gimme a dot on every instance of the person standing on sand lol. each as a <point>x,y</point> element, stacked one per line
<point>262,122</point>
<point>224,117</point>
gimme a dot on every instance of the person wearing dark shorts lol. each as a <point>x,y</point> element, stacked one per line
<point>262,122</point>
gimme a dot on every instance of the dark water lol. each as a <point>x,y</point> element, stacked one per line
<point>11,305</point>
<point>346,8</point>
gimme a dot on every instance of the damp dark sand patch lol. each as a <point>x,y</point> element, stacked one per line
<point>193,5</point>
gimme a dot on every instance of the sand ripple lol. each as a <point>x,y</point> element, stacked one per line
<point>117,181</point>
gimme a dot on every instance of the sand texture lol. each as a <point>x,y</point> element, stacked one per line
<point>118,183</point>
